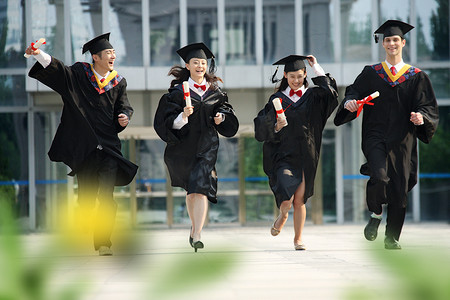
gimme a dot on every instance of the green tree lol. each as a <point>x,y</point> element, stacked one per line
<point>440,31</point>
<point>423,49</point>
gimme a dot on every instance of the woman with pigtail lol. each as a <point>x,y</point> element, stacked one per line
<point>190,132</point>
<point>292,142</point>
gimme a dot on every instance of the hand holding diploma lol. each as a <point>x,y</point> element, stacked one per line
<point>33,49</point>
<point>366,101</point>
<point>357,105</point>
<point>281,117</point>
<point>280,124</point>
<point>188,109</point>
<point>278,108</point>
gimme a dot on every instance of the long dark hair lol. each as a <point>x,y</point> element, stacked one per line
<point>182,74</point>
<point>284,83</point>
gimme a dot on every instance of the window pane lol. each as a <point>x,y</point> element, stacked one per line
<point>227,208</point>
<point>260,201</point>
<point>327,156</point>
<point>11,23</point>
<point>435,172</point>
<point>433,30</point>
<point>86,23</point>
<point>51,178</point>
<point>44,25</point>
<point>396,10</point>
<point>278,29</point>
<point>164,32</point>
<point>356,30</point>
<point>240,31</point>
<point>151,182</point>
<point>14,162</point>
<point>440,78</point>
<point>126,31</point>
<point>202,23</point>
<point>355,208</point>
<point>317,30</point>
<point>12,90</point>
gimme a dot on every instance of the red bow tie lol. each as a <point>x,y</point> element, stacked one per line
<point>101,80</point>
<point>203,87</point>
<point>298,93</point>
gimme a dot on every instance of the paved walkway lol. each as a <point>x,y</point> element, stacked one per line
<point>241,263</point>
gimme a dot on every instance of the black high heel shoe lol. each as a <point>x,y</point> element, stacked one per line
<point>191,239</point>
<point>197,245</point>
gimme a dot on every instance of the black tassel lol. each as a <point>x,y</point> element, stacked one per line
<point>376,38</point>
<point>274,80</point>
<point>212,66</point>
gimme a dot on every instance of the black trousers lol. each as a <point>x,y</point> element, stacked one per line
<point>385,186</point>
<point>96,179</point>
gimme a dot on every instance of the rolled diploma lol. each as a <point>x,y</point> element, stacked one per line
<point>373,95</point>
<point>278,108</point>
<point>36,46</point>
<point>187,94</point>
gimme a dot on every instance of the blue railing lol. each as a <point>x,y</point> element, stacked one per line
<point>229,179</point>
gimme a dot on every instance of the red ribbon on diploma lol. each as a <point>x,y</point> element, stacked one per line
<point>187,93</point>
<point>32,45</point>
<point>282,110</point>
<point>366,100</point>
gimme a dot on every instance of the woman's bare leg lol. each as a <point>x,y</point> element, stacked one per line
<point>299,212</point>
<point>197,207</point>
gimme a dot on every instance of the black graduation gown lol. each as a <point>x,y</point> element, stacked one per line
<point>387,121</point>
<point>191,151</point>
<point>295,148</point>
<point>89,117</point>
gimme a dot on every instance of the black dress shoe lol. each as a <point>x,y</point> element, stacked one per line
<point>191,239</point>
<point>371,229</point>
<point>391,244</point>
<point>197,245</point>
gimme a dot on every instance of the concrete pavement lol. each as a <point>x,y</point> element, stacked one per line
<point>237,263</point>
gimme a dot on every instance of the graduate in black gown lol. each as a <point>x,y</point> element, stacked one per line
<point>292,146</point>
<point>96,109</point>
<point>191,132</point>
<point>405,110</point>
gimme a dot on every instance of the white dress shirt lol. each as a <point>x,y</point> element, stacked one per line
<point>199,91</point>
<point>318,70</point>
<point>100,77</point>
<point>179,122</point>
<point>43,58</point>
<point>397,67</point>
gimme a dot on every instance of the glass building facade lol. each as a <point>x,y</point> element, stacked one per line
<point>246,36</point>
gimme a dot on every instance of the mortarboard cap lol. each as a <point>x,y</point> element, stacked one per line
<point>292,62</point>
<point>98,44</point>
<point>391,28</point>
<point>196,50</point>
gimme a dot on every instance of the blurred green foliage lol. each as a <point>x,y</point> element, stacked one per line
<point>187,273</point>
<point>259,207</point>
<point>23,277</point>
<point>417,274</point>
<point>7,193</point>
<point>434,157</point>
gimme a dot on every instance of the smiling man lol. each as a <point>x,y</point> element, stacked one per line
<point>405,110</point>
<point>96,109</point>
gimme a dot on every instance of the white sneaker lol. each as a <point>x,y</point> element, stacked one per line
<point>104,251</point>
